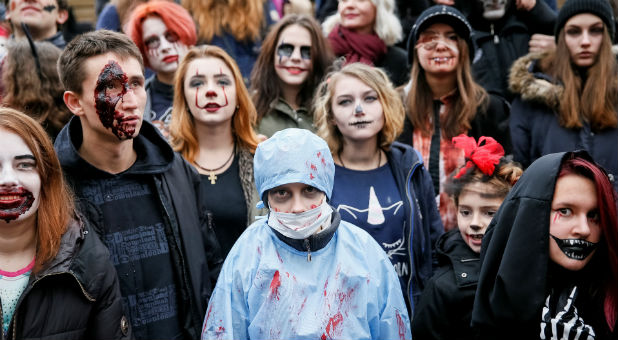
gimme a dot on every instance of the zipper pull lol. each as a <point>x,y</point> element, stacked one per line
<point>308,250</point>
<point>496,38</point>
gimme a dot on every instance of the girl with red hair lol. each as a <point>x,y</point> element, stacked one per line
<point>55,276</point>
<point>163,31</point>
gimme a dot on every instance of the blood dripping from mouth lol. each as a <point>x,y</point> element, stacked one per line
<point>112,85</point>
<point>11,210</point>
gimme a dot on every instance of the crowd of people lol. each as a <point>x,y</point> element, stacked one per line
<point>358,169</point>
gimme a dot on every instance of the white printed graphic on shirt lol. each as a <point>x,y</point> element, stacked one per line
<point>375,212</point>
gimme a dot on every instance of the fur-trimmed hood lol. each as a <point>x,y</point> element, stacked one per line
<point>529,82</point>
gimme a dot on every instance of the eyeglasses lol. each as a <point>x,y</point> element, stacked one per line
<point>286,50</point>
<point>154,42</point>
<point>430,41</point>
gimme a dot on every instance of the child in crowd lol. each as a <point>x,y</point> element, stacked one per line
<point>478,189</point>
<point>293,59</point>
<point>549,264</point>
<point>302,272</point>
<point>163,31</point>
<point>380,185</point>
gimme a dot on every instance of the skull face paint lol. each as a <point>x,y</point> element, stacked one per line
<point>292,57</point>
<point>576,249</point>
<point>49,8</point>
<point>112,86</point>
<point>15,203</point>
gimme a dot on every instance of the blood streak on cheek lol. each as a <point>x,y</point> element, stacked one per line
<point>112,78</point>
<point>10,209</point>
<point>556,217</point>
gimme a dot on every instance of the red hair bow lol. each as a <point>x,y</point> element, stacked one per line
<point>485,157</point>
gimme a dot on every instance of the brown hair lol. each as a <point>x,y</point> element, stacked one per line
<point>389,99</point>
<point>174,16</point>
<point>594,102</point>
<point>24,90</point>
<point>88,45</point>
<point>469,97</point>
<point>56,200</point>
<point>504,177</point>
<point>265,84</point>
<point>241,18</point>
<point>182,128</point>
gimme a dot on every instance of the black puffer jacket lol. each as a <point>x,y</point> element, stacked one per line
<point>75,296</point>
<point>445,307</point>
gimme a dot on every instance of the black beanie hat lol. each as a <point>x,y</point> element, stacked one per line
<point>443,14</point>
<point>600,8</point>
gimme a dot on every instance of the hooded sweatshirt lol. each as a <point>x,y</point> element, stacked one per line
<point>517,274</point>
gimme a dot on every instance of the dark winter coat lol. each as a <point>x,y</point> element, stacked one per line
<point>517,274</point>
<point>445,308</point>
<point>492,121</point>
<point>395,64</point>
<point>498,44</point>
<point>535,130</point>
<point>423,224</point>
<point>75,296</point>
<point>177,189</point>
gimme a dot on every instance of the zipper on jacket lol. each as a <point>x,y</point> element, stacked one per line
<point>306,242</point>
<point>496,38</point>
<point>409,196</point>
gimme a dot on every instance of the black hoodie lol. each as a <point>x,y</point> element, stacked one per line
<point>177,227</point>
<point>516,273</point>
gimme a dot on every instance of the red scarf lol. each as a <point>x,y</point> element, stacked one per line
<point>356,47</point>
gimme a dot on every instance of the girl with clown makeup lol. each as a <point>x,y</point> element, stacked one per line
<point>301,272</point>
<point>549,266</point>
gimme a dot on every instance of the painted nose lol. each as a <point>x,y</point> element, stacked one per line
<point>358,110</point>
<point>477,222</point>
<point>8,177</point>
<point>211,93</point>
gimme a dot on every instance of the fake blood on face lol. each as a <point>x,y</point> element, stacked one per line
<point>14,203</point>
<point>112,85</point>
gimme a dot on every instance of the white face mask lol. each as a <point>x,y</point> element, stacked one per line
<point>301,226</point>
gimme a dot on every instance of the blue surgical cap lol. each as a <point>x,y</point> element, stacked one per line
<point>293,156</point>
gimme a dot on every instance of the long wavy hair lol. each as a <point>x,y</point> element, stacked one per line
<point>607,254</point>
<point>55,200</point>
<point>174,16</point>
<point>182,128</point>
<point>24,90</point>
<point>265,84</point>
<point>388,97</point>
<point>595,100</point>
<point>468,98</point>
<point>243,19</point>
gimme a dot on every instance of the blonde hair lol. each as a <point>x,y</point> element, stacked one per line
<point>375,78</point>
<point>386,26</point>
<point>243,19</point>
<point>182,128</point>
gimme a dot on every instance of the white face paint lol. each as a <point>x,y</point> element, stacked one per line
<point>494,9</point>
<point>163,47</point>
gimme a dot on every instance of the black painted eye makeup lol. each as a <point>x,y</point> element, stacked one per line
<point>286,50</point>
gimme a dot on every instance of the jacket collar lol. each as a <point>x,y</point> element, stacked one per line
<point>466,263</point>
<point>154,154</point>
<point>315,241</point>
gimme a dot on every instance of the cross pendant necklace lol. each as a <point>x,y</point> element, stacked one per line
<point>211,172</point>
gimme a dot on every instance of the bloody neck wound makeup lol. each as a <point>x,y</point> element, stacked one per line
<point>14,203</point>
<point>112,85</point>
<point>576,249</point>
